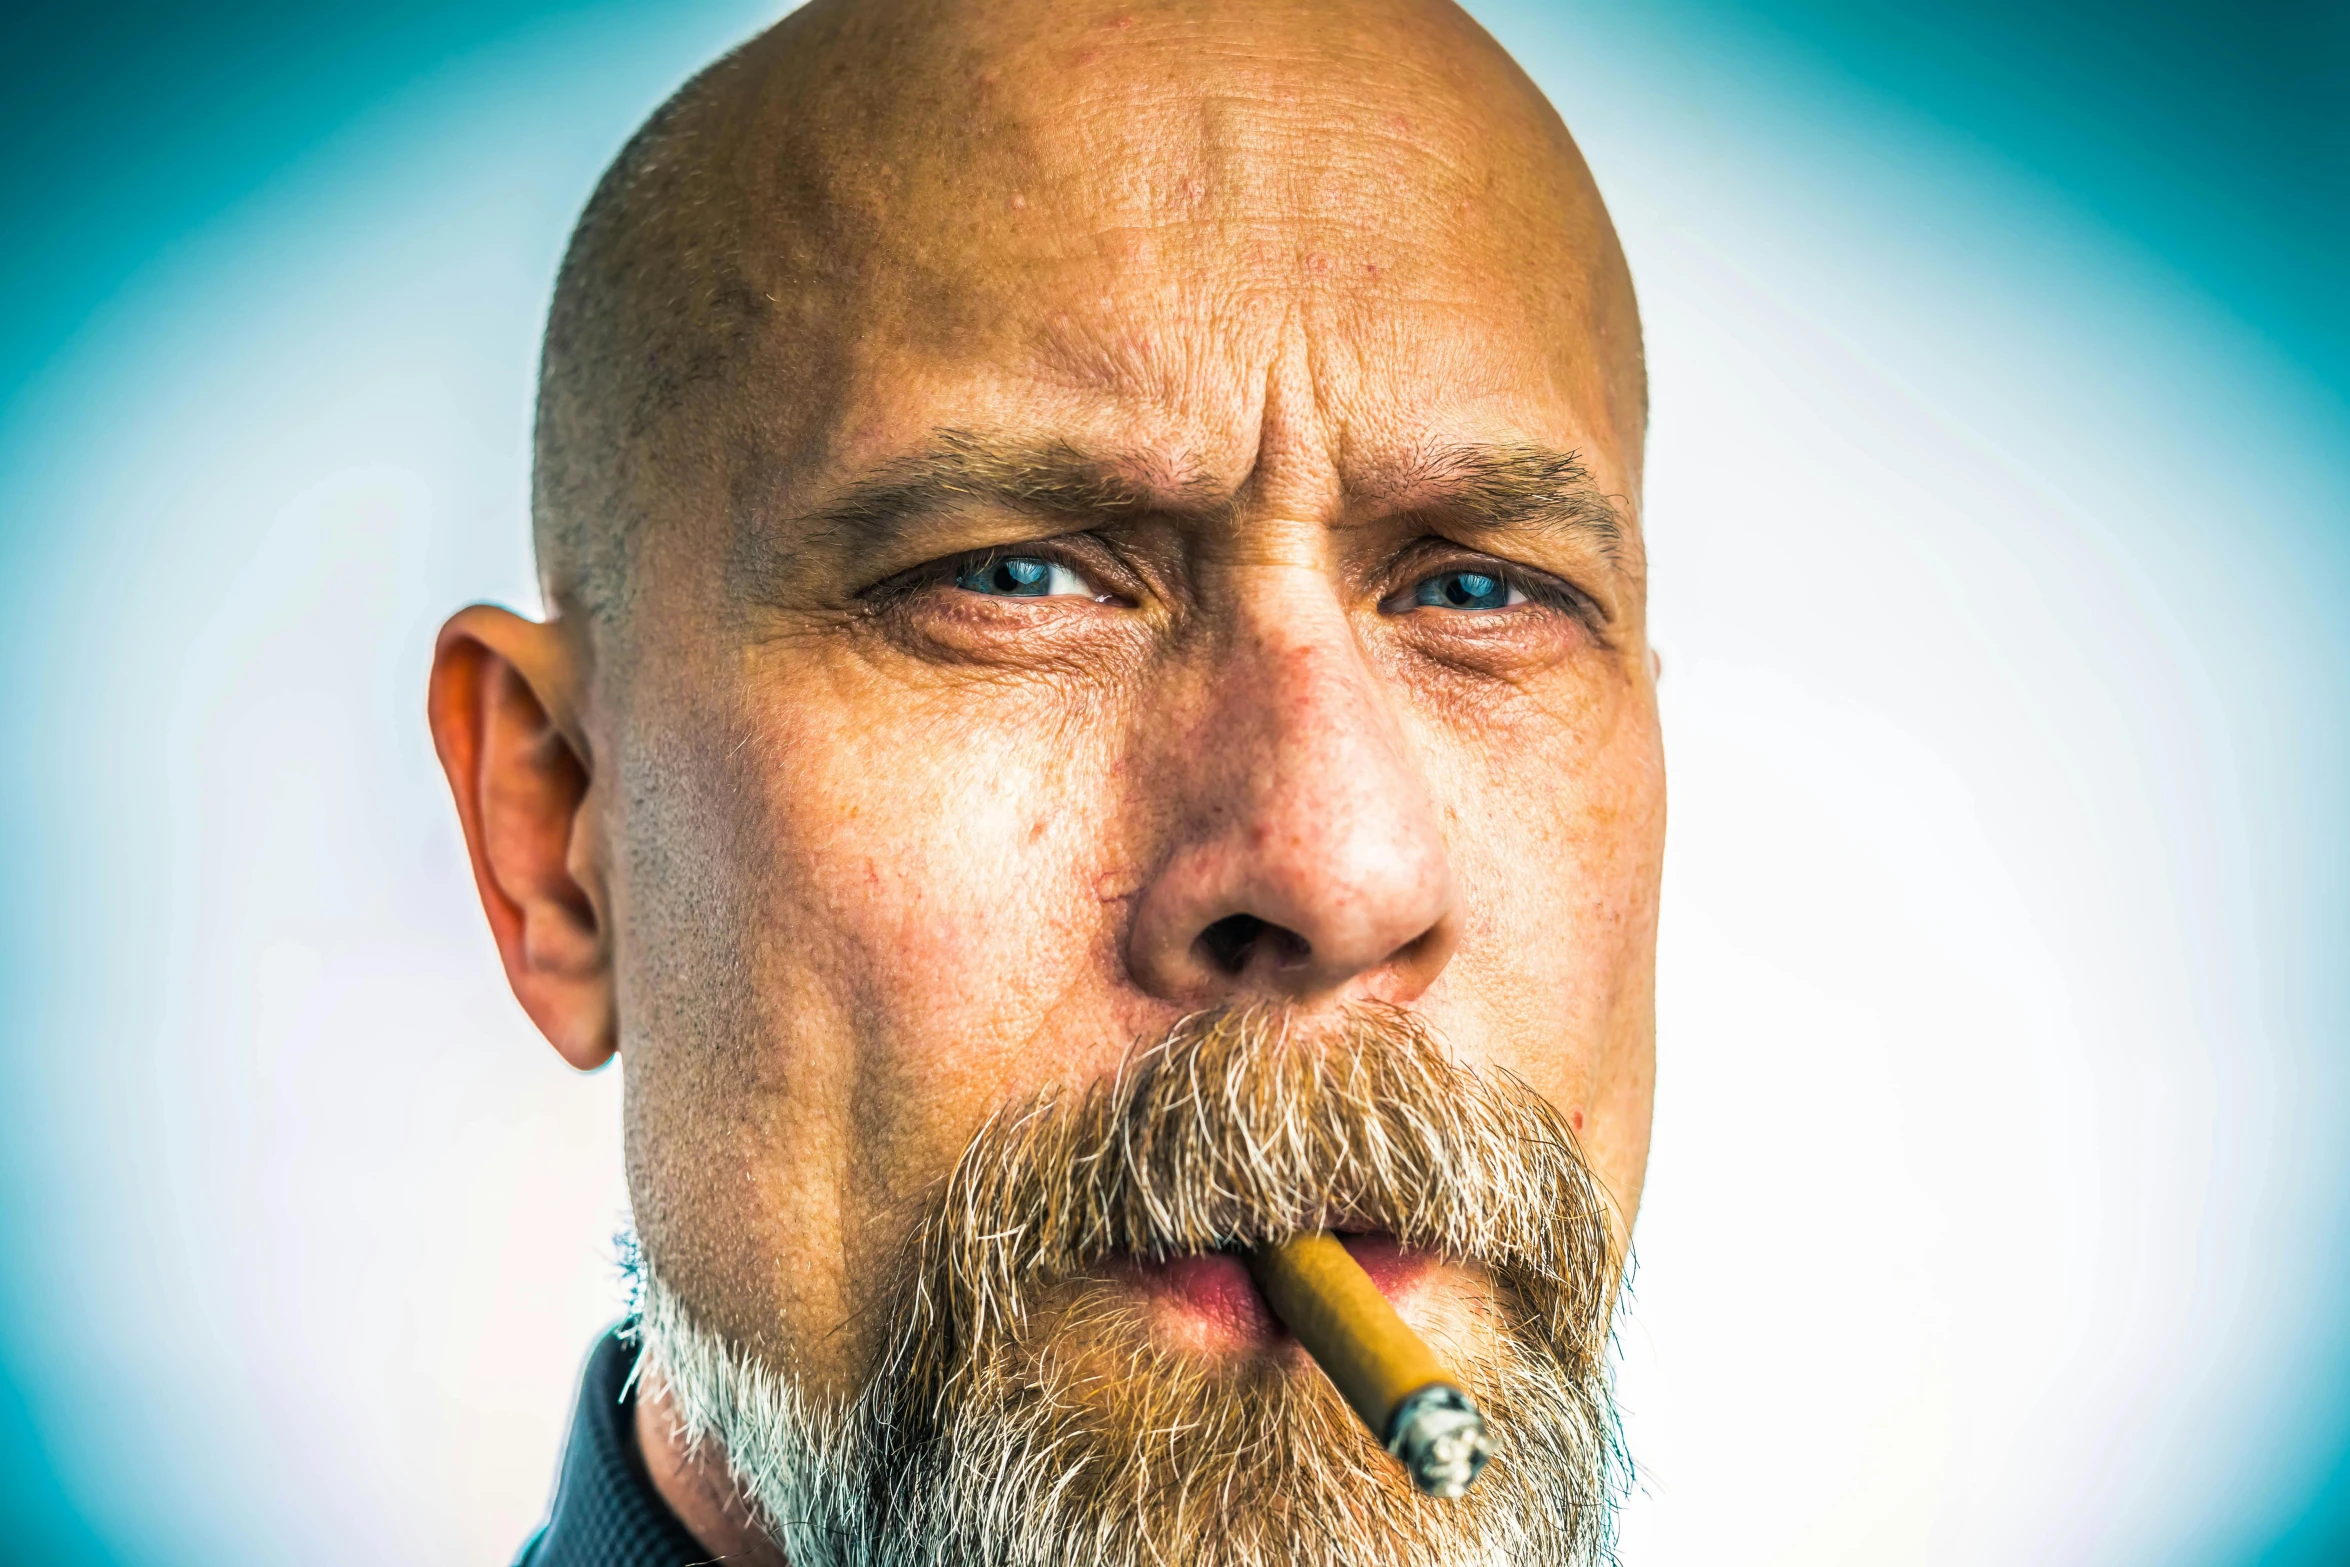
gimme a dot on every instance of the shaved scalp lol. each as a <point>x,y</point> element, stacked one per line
<point>871,167</point>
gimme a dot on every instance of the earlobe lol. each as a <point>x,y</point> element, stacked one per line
<point>503,707</point>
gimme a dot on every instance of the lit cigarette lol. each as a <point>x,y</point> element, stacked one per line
<point>1387,1372</point>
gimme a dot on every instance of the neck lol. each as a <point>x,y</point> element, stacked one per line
<point>696,1487</point>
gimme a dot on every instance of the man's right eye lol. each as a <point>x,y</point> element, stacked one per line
<point>1023,576</point>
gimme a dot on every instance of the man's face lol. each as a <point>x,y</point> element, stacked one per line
<point>1125,732</point>
<point>1208,572</point>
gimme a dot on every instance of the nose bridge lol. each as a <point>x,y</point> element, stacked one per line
<point>1306,815</point>
<point>1319,762</point>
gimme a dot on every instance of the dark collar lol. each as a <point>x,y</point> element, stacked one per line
<point>607,1513</point>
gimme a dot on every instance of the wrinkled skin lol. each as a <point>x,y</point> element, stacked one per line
<point>842,852</point>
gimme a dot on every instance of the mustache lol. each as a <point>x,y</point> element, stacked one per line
<point>1241,1128</point>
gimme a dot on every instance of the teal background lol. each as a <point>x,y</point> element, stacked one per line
<point>146,145</point>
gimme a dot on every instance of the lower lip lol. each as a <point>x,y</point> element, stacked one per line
<point>1215,1291</point>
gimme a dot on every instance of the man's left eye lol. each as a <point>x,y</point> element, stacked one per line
<point>1023,576</point>
<point>1467,590</point>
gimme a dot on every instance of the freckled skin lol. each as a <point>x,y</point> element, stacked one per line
<point>842,880</point>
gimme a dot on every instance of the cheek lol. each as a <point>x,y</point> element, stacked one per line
<point>851,927</point>
<point>1554,820</point>
<point>939,844</point>
<point>947,872</point>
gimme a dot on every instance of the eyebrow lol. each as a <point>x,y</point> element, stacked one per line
<point>1054,480</point>
<point>1511,488</point>
<point>1500,488</point>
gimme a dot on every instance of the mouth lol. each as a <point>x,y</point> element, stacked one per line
<point>1208,1302</point>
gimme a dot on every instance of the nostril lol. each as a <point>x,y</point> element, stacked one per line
<point>1228,943</point>
<point>1233,942</point>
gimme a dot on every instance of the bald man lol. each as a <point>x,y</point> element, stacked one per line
<point>1095,715</point>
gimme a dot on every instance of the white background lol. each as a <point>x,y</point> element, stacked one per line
<point>1999,1200</point>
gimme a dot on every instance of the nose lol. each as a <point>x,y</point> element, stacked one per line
<point>1305,861</point>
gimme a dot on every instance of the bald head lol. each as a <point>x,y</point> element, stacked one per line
<point>1056,185</point>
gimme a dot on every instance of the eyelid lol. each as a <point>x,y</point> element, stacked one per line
<point>947,570</point>
<point>1437,556</point>
<point>1448,560</point>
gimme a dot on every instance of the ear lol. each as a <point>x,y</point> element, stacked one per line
<point>502,705</point>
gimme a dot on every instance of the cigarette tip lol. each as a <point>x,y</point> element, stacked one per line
<point>1440,1437</point>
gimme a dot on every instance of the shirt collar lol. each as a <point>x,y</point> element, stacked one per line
<point>606,1512</point>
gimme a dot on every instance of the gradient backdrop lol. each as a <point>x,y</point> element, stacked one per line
<point>2001,517</point>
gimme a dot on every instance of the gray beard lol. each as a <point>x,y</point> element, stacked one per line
<point>1020,1414</point>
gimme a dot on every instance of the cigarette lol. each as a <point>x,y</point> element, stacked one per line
<point>1413,1405</point>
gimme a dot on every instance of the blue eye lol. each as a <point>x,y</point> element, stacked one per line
<point>1022,576</point>
<point>1466,590</point>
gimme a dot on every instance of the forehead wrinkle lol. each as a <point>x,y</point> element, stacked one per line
<point>1184,362</point>
<point>1459,87</point>
<point>1293,179</point>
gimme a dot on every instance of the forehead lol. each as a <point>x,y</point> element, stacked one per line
<point>1206,391</point>
<point>1122,219</point>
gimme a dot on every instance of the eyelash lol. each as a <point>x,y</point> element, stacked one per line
<point>947,572</point>
<point>1539,588</point>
